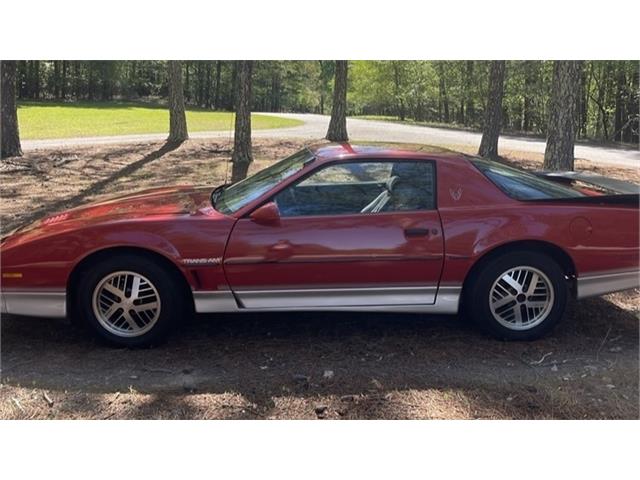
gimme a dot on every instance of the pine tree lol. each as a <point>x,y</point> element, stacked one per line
<point>177,117</point>
<point>558,154</point>
<point>242,158</point>
<point>10,132</point>
<point>493,112</point>
<point>338,125</point>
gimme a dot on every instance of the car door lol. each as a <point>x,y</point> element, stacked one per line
<point>360,233</point>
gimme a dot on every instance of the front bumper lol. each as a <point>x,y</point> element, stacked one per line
<point>607,282</point>
<point>34,303</point>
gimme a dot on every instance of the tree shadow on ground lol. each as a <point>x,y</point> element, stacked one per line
<point>97,187</point>
<point>276,364</point>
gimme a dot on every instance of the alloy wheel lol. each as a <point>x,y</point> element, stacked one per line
<point>521,298</point>
<point>126,304</point>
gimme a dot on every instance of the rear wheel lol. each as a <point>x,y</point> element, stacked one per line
<point>517,296</point>
<point>129,301</point>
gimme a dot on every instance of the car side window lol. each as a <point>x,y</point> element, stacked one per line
<point>368,187</point>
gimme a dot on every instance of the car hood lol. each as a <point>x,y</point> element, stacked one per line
<point>157,202</point>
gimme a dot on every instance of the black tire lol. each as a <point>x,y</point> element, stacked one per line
<point>172,301</point>
<point>479,290</point>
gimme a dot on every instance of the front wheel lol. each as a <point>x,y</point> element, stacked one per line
<point>518,296</point>
<point>129,301</point>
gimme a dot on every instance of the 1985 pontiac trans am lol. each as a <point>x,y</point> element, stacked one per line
<point>332,227</point>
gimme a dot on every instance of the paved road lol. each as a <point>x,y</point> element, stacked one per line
<point>315,127</point>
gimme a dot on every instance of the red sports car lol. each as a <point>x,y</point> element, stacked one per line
<point>335,227</point>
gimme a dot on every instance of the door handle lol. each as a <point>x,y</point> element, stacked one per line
<point>279,251</point>
<point>416,232</point>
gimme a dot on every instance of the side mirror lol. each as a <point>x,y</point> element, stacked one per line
<point>268,214</point>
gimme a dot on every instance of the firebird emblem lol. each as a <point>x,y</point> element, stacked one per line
<point>456,192</point>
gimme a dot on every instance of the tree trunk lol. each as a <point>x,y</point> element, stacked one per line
<point>327,71</point>
<point>56,79</point>
<point>276,88</point>
<point>443,103</point>
<point>558,154</point>
<point>620,104</point>
<point>63,86</point>
<point>21,78</point>
<point>27,79</point>
<point>177,117</point>
<point>631,134</point>
<point>36,79</point>
<point>602,130</point>
<point>106,84</point>
<point>216,99</point>
<point>91,82</point>
<point>209,87</point>
<point>399,98</point>
<point>187,82</point>
<point>338,125</point>
<point>234,84</point>
<point>527,112</point>
<point>76,80</point>
<point>470,108</point>
<point>585,88</point>
<point>10,133</point>
<point>199,84</point>
<point>242,158</point>
<point>493,112</point>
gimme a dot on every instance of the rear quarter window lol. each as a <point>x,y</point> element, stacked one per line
<point>522,185</point>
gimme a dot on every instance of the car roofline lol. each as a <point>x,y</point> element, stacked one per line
<point>339,151</point>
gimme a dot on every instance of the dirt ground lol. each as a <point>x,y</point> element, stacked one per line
<point>296,365</point>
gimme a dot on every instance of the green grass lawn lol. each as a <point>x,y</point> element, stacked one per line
<point>40,120</point>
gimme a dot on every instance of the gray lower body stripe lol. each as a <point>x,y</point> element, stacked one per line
<point>443,300</point>
<point>430,299</point>
<point>344,297</point>
<point>218,301</point>
<point>34,303</point>
<point>607,282</point>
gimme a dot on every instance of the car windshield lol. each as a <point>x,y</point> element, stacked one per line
<point>231,198</point>
<point>522,185</point>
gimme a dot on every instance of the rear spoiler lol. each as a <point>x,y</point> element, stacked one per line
<point>612,185</point>
<point>618,192</point>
